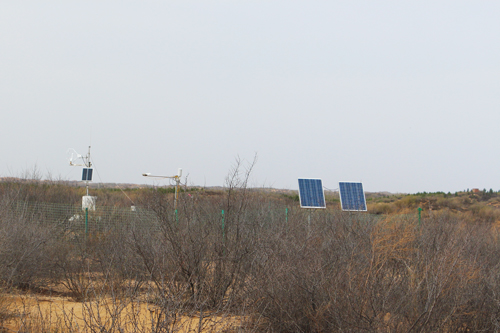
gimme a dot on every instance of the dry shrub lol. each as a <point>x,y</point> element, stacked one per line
<point>315,271</point>
<point>382,208</point>
<point>26,252</point>
<point>389,275</point>
<point>485,213</point>
<point>409,201</point>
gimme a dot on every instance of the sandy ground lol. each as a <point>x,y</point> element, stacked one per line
<point>43,313</point>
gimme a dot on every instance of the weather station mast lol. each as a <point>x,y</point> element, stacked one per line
<point>88,202</point>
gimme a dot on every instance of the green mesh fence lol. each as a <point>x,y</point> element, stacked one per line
<point>73,219</point>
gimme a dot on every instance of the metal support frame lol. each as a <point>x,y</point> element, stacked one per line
<point>86,163</point>
<point>176,178</point>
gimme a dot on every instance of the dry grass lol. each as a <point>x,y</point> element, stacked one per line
<point>35,313</point>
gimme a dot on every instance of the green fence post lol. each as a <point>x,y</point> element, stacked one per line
<point>176,217</point>
<point>419,216</point>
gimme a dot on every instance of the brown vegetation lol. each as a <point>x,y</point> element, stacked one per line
<point>236,260</point>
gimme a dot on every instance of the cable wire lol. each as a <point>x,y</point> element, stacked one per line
<point>100,180</point>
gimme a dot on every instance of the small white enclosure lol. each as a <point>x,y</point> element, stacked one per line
<point>88,202</point>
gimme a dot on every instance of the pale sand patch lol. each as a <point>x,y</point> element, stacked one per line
<point>33,312</point>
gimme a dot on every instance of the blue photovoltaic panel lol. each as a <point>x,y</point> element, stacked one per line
<point>311,193</point>
<point>352,196</point>
<point>87,174</point>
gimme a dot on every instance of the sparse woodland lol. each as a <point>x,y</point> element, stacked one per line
<point>252,268</point>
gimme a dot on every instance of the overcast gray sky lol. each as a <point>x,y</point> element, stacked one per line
<point>401,95</point>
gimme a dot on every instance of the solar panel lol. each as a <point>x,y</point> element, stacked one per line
<point>352,196</point>
<point>311,193</point>
<point>87,174</point>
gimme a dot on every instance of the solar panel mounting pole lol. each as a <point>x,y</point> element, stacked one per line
<point>311,195</point>
<point>309,222</point>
